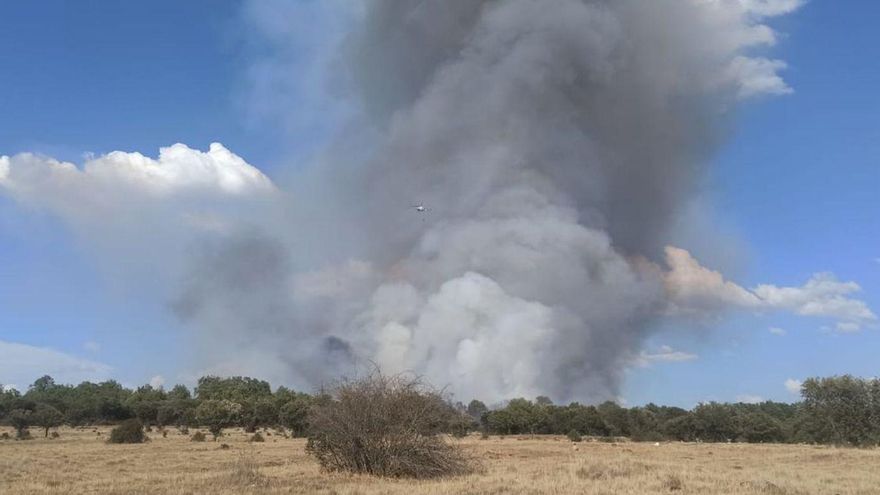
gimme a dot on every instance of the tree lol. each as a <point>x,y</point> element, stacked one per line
<point>615,417</point>
<point>179,392</point>
<point>46,417</point>
<point>294,414</point>
<point>218,414</point>
<point>240,389</point>
<point>20,419</point>
<point>260,413</point>
<point>759,427</point>
<point>476,409</point>
<point>839,410</point>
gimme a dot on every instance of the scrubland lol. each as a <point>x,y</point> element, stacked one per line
<point>80,462</point>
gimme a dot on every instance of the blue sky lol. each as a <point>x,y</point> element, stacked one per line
<point>793,190</point>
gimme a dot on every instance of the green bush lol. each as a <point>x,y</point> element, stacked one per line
<point>129,431</point>
<point>574,436</point>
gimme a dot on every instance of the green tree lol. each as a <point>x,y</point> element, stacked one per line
<point>218,414</point>
<point>46,417</point>
<point>294,414</point>
<point>20,419</point>
<point>179,392</point>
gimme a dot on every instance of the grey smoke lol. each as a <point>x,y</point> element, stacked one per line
<point>555,143</point>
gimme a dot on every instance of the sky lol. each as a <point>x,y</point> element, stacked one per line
<point>791,192</point>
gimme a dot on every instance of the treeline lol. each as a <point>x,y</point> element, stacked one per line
<point>841,410</point>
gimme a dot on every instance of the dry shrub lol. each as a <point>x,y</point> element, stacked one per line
<point>198,437</point>
<point>55,434</point>
<point>384,426</point>
<point>4,436</point>
<point>129,431</point>
<point>245,472</point>
<point>257,438</point>
<point>673,483</point>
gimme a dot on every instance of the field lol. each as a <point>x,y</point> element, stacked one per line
<point>79,462</point>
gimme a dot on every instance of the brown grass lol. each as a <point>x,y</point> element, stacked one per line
<point>80,462</point>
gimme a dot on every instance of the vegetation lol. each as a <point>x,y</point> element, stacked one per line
<point>841,410</point>
<point>129,431</point>
<point>385,426</point>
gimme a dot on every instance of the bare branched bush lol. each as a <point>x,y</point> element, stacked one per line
<point>385,426</point>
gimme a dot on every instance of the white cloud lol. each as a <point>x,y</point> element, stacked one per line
<point>770,8</point>
<point>178,168</point>
<point>778,331</point>
<point>757,76</point>
<point>22,363</point>
<point>750,399</point>
<point>665,354</point>
<point>157,381</point>
<point>91,346</point>
<point>695,289</point>
<point>793,386</point>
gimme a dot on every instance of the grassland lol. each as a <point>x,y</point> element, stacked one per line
<point>79,462</point>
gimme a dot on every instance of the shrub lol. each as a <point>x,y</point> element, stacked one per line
<point>129,431</point>
<point>245,472</point>
<point>54,434</point>
<point>4,436</point>
<point>257,438</point>
<point>218,414</point>
<point>198,437</point>
<point>20,419</point>
<point>574,436</point>
<point>385,426</point>
<point>673,483</point>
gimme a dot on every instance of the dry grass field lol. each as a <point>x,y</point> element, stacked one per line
<point>79,462</point>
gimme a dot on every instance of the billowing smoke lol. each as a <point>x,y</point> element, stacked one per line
<point>551,144</point>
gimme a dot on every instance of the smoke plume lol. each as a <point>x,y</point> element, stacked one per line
<point>552,145</point>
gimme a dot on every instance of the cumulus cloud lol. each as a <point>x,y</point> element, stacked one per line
<point>757,76</point>
<point>22,363</point>
<point>665,354</point>
<point>769,8</point>
<point>696,289</point>
<point>178,170</point>
<point>793,386</point>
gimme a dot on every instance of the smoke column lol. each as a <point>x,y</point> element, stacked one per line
<point>553,145</point>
